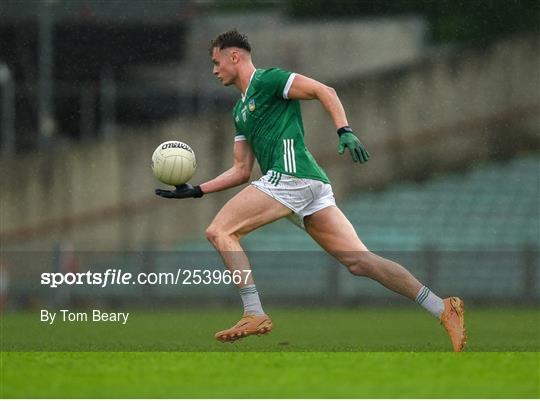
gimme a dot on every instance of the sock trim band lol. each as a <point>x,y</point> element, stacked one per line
<point>421,297</point>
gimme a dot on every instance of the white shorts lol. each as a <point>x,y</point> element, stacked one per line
<point>303,196</point>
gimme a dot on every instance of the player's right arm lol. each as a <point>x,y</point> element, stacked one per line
<point>238,174</point>
<point>304,88</point>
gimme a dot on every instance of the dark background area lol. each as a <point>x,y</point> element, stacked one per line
<point>93,40</point>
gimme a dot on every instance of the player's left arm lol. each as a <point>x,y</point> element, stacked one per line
<point>304,88</point>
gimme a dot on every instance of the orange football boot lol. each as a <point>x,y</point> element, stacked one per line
<point>247,326</point>
<point>453,321</point>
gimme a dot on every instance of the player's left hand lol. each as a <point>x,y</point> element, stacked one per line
<point>347,139</point>
<point>181,192</point>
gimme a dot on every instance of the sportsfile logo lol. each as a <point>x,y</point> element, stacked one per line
<point>119,277</point>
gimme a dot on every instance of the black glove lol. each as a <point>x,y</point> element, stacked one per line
<point>181,192</point>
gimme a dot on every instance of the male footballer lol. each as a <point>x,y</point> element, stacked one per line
<point>269,128</point>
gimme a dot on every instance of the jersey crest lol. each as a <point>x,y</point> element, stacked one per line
<point>251,105</point>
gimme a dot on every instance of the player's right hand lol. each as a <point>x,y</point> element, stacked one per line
<point>181,192</point>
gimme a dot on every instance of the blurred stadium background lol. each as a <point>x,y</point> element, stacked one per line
<point>446,96</point>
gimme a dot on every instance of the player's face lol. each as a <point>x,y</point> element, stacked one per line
<point>224,62</point>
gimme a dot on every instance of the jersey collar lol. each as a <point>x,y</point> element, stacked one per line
<point>250,79</point>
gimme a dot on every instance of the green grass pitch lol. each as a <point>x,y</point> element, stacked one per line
<point>352,353</point>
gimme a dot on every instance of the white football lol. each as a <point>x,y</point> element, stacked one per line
<point>173,163</point>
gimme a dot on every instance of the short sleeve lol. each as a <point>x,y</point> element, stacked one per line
<point>278,81</point>
<point>238,135</point>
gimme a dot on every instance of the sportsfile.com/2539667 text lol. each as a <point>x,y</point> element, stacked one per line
<point>119,277</point>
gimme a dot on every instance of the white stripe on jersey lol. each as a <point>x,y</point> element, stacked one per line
<point>288,156</point>
<point>285,164</point>
<point>240,138</point>
<point>292,156</point>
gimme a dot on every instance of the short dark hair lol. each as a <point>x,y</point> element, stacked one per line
<point>228,39</point>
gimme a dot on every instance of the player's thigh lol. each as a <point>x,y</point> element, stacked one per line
<point>248,210</point>
<point>335,234</point>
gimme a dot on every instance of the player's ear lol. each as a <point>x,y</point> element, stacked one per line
<point>235,56</point>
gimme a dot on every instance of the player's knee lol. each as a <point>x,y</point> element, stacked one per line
<point>217,235</point>
<point>361,265</point>
<point>213,233</point>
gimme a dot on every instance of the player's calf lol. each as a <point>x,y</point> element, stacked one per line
<point>359,263</point>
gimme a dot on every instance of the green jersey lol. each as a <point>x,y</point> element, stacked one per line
<point>272,125</point>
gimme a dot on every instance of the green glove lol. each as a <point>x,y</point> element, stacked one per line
<point>347,139</point>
